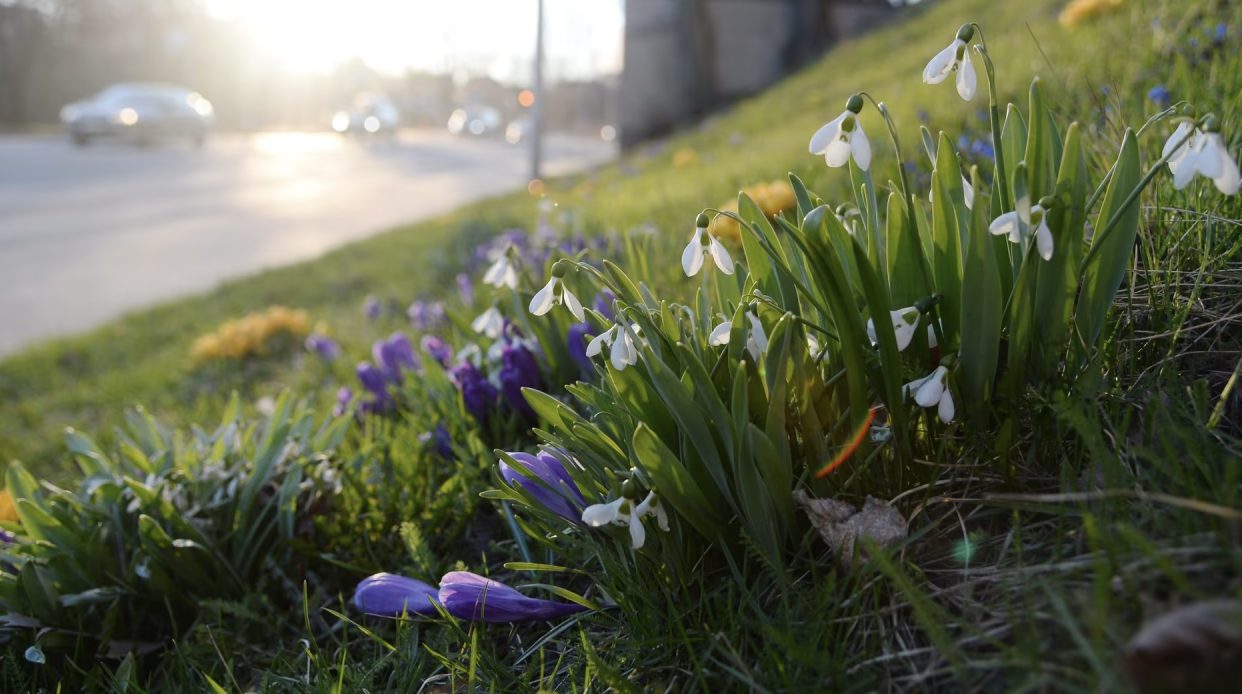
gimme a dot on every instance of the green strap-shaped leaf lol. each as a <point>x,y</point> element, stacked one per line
<point>1104,272</point>
<point>982,306</point>
<point>675,484</point>
<point>946,238</point>
<point>1058,277</point>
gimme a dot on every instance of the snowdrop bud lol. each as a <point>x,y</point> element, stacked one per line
<point>560,267</point>
<point>629,489</point>
<point>966,32</point>
<point>1211,123</point>
<point>1047,202</point>
<point>701,221</point>
<point>854,105</point>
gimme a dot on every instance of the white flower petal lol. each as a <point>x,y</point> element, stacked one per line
<point>1210,150</point>
<point>941,64</point>
<point>860,147</point>
<point>1004,224</point>
<point>1043,240</point>
<point>638,534</point>
<point>871,332</point>
<point>720,254</point>
<point>946,410</point>
<point>1228,181</point>
<point>496,272</point>
<point>692,257</point>
<point>825,135</point>
<point>542,302</point>
<point>623,352</point>
<point>572,303</point>
<point>596,345</point>
<point>966,79</point>
<point>905,320</point>
<point>1182,131</point>
<point>599,515</point>
<point>968,193</point>
<point>720,334</point>
<point>928,394</point>
<point>837,153</point>
<point>758,340</point>
<point>1187,165</point>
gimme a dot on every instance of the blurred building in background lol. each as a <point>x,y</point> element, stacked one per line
<point>685,58</point>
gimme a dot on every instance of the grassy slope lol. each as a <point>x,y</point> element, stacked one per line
<point>86,381</point>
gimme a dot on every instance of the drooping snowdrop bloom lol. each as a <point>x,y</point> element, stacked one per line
<point>556,293</point>
<point>502,273</point>
<point>843,137</point>
<point>623,351</point>
<point>756,337</point>
<point>622,511</point>
<point>955,58</point>
<point>1201,152</point>
<point>701,246</point>
<point>933,391</point>
<point>490,323</point>
<point>905,322</point>
<point>1007,225</point>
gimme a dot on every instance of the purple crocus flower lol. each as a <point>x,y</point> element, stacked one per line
<point>394,355</point>
<point>344,397</point>
<point>426,315</point>
<point>518,370</point>
<point>478,394</point>
<point>603,303</point>
<point>465,288</point>
<point>322,345</point>
<point>373,380</point>
<point>551,484</point>
<point>472,597</point>
<point>440,440</point>
<point>577,343</point>
<point>371,307</point>
<point>1160,96</point>
<point>390,595</point>
<point>438,349</point>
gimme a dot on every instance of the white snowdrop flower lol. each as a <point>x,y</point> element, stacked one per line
<point>502,273</point>
<point>555,293</point>
<point>933,391</point>
<point>905,321</point>
<point>756,337</point>
<point>1203,152</point>
<point>843,137</point>
<point>623,351</point>
<point>954,58</point>
<point>1007,225</point>
<point>490,323</point>
<point>701,246</point>
<point>622,511</point>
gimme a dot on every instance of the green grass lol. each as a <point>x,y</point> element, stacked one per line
<point>1034,581</point>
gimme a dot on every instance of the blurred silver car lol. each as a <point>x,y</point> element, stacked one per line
<point>370,114</point>
<point>140,113</point>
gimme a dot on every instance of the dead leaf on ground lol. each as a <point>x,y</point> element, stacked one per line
<point>1195,648</point>
<point>841,524</point>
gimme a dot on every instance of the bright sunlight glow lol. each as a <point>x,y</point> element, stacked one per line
<point>494,37</point>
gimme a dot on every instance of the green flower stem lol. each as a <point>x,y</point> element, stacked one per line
<point>994,118</point>
<point>903,178</point>
<point>1131,199</point>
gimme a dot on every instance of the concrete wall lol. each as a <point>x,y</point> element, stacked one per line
<point>686,58</point>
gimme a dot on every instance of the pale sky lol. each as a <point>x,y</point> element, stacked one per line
<point>583,37</point>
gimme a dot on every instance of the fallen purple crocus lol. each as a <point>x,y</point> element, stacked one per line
<point>472,597</point>
<point>550,485</point>
<point>390,595</point>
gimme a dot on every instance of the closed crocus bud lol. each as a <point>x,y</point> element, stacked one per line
<point>390,595</point>
<point>323,346</point>
<point>437,349</point>
<point>344,396</point>
<point>576,344</point>
<point>474,598</point>
<point>372,378</point>
<point>519,370</point>
<point>394,355</point>
<point>548,482</point>
<point>477,393</point>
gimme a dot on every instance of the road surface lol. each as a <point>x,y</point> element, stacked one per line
<point>88,234</point>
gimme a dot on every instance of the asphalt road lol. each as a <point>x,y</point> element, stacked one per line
<point>88,234</point>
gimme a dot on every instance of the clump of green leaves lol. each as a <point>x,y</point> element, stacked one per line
<point>162,527</point>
